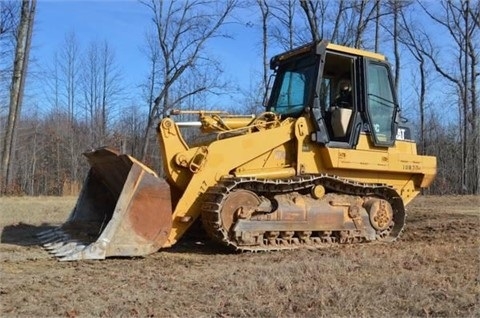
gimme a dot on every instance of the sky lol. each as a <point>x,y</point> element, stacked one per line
<point>124,24</point>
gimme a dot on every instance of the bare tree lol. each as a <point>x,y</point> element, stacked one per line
<point>463,30</point>
<point>9,19</point>
<point>284,32</point>
<point>308,7</point>
<point>24,38</point>
<point>101,88</point>
<point>441,140</point>
<point>395,9</point>
<point>377,25</point>
<point>131,126</point>
<point>351,20</point>
<point>90,82</point>
<point>365,14</point>
<point>341,7</point>
<point>412,39</point>
<point>265,13</point>
<point>183,29</point>
<point>150,87</point>
<point>69,65</point>
<point>111,88</point>
<point>70,137</point>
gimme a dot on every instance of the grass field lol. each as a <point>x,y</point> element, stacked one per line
<point>432,271</point>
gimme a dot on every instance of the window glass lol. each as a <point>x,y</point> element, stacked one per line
<point>381,105</point>
<point>325,93</point>
<point>293,86</point>
<point>292,92</point>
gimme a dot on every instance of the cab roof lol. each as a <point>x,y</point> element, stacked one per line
<point>353,51</point>
<point>312,48</point>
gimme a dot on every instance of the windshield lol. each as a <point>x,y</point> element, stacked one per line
<point>293,86</point>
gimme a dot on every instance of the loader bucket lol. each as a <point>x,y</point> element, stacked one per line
<point>123,209</point>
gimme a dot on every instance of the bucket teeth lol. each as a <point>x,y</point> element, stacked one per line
<point>63,247</point>
<point>75,254</point>
<point>68,249</point>
<point>63,243</point>
<point>53,246</point>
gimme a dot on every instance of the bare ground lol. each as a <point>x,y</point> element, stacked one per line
<point>432,271</point>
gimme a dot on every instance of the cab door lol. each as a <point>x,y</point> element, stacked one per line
<point>381,103</point>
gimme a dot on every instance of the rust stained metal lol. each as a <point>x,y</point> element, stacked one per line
<point>124,209</point>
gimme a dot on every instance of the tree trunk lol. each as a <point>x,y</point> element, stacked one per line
<point>311,19</point>
<point>422,105</point>
<point>17,87</point>
<point>396,9</point>
<point>265,13</point>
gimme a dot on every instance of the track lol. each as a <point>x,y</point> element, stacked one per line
<point>216,197</point>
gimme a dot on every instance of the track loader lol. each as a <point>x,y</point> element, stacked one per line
<point>330,161</point>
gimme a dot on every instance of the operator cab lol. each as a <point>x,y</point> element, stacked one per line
<point>346,91</point>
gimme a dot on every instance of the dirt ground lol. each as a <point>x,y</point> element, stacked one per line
<point>432,271</point>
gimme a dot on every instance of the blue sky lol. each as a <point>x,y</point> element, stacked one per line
<point>124,23</point>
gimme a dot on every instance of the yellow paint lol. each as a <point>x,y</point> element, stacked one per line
<point>284,151</point>
<point>353,51</point>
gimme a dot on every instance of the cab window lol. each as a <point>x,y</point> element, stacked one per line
<point>381,104</point>
<point>293,87</point>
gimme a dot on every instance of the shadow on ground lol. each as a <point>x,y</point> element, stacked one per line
<point>23,234</point>
<point>202,245</point>
<point>196,241</point>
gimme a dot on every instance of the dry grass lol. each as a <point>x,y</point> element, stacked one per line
<point>35,210</point>
<point>433,271</point>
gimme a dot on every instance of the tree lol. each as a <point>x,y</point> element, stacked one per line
<point>9,19</point>
<point>66,79</point>
<point>265,13</point>
<point>284,31</point>
<point>412,39</point>
<point>396,9</point>
<point>149,88</point>
<point>23,41</point>
<point>69,66</point>
<point>101,85</point>
<point>9,16</point>
<point>456,19</point>
<point>308,7</point>
<point>377,25</point>
<point>183,29</point>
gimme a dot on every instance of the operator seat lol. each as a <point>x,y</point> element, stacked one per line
<point>341,111</point>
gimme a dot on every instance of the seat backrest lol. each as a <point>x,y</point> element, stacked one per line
<point>340,120</point>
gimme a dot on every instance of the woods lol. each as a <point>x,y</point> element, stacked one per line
<point>433,49</point>
<point>23,37</point>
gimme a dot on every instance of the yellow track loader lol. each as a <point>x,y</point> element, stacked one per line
<point>330,161</point>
